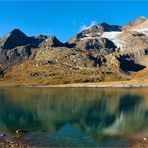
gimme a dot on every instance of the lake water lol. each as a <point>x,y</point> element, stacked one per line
<point>74,116</point>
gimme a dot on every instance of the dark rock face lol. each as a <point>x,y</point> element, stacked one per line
<point>37,40</point>
<point>16,55</point>
<point>100,45</point>
<point>54,42</point>
<point>1,73</point>
<point>107,28</point>
<point>128,65</point>
<point>13,39</point>
<point>11,57</point>
<point>16,46</point>
<point>18,38</point>
<point>146,51</point>
<point>98,61</point>
<point>26,50</point>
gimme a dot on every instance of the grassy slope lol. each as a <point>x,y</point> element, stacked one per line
<point>31,73</point>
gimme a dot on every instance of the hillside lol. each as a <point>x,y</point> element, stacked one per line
<point>102,53</point>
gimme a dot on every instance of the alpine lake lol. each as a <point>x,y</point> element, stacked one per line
<point>73,117</point>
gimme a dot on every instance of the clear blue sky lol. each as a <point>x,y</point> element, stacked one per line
<point>65,18</point>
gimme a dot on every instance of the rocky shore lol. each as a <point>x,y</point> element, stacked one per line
<point>13,144</point>
<point>139,142</point>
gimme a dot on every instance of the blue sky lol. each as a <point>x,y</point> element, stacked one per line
<point>65,18</point>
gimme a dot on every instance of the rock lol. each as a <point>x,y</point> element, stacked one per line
<point>20,131</point>
<point>141,21</point>
<point>2,135</point>
<point>129,65</point>
<point>100,45</point>
<point>34,74</point>
<point>16,46</point>
<point>39,39</point>
<point>1,73</point>
<point>107,28</point>
<point>52,41</point>
<point>13,39</point>
<point>145,139</point>
<point>146,51</point>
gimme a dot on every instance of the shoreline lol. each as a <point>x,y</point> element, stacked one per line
<point>138,142</point>
<point>14,144</point>
<point>113,84</point>
<point>116,84</point>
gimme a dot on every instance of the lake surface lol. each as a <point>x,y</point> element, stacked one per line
<point>74,116</point>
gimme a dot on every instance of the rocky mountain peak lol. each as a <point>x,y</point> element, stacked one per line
<point>95,31</point>
<point>107,27</point>
<point>139,23</point>
<point>52,41</point>
<point>13,39</point>
<point>17,32</point>
<point>102,27</point>
<point>41,37</point>
<point>140,19</point>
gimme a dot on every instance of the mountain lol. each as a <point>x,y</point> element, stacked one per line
<point>94,32</point>
<point>102,52</point>
<point>52,41</point>
<point>16,46</point>
<point>13,39</point>
<point>140,23</point>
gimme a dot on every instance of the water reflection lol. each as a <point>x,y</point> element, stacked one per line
<point>94,112</point>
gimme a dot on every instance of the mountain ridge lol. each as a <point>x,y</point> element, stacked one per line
<point>102,52</point>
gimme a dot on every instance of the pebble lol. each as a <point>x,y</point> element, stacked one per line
<point>20,131</point>
<point>2,135</point>
<point>145,139</point>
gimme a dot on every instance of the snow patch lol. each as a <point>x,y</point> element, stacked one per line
<point>90,36</point>
<point>114,37</point>
<point>143,31</point>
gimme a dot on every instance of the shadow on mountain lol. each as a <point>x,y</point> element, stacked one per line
<point>128,65</point>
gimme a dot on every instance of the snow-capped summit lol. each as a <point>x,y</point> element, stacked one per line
<point>140,23</point>
<point>117,34</point>
<point>95,32</point>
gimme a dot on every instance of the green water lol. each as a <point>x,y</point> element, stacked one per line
<point>74,116</point>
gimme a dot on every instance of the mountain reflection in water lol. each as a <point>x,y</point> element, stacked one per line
<point>78,114</point>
